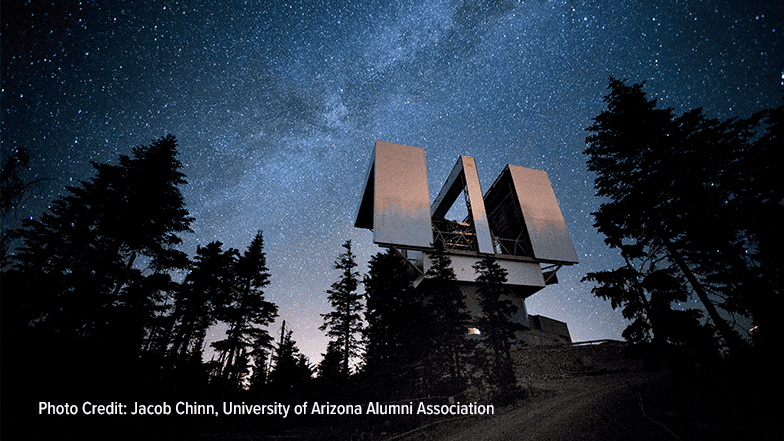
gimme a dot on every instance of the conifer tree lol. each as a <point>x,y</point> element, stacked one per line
<point>448,321</point>
<point>632,151</point>
<point>205,289</point>
<point>497,327</point>
<point>292,372</point>
<point>93,273</point>
<point>344,323</point>
<point>666,177</point>
<point>329,369</point>
<point>245,313</point>
<point>645,292</point>
<point>395,336</point>
<point>260,378</point>
<point>14,188</point>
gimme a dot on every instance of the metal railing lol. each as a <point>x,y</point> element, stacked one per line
<point>458,236</point>
<point>514,247</point>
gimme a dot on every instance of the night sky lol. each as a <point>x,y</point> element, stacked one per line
<point>277,105</point>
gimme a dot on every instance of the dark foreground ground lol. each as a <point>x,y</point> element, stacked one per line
<point>571,393</point>
<point>601,392</point>
<point>618,406</point>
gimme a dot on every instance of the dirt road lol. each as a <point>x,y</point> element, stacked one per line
<point>623,406</point>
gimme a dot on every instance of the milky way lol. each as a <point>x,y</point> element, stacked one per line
<point>276,107</point>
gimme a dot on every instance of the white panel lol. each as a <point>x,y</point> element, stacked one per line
<point>401,202</point>
<point>453,187</point>
<point>550,238</point>
<point>519,273</point>
<point>477,205</point>
<point>522,273</point>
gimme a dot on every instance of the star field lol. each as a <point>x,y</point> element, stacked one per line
<point>276,106</point>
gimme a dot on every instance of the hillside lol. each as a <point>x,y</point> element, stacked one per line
<point>596,392</point>
<point>535,364</point>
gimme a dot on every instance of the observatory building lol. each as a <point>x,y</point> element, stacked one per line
<point>517,221</point>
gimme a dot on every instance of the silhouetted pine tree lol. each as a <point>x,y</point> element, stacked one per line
<point>696,191</point>
<point>344,323</point>
<point>12,185</point>
<point>93,273</point>
<point>206,288</point>
<point>245,313</point>
<point>292,374</point>
<point>395,336</point>
<point>497,327</point>
<point>760,212</point>
<point>259,380</point>
<point>646,292</point>
<point>448,346</point>
<point>13,189</point>
<point>330,383</point>
<point>634,156</point>
<point>329,369</point>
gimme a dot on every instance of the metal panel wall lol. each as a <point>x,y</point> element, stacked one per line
<point>477,205</point>
<point>519,273</point>
<point>547,230</point>
<point>401,200</point>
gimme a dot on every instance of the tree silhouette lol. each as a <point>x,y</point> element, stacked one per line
<point>344,323</point>
<point>291,376</point>
<point>497,327</point>
<point>646,292</point>
<point>448,321</point>
<point>395,338</point>
<point>94,272</point>
<point>330,367</point>
<point>13,186</point>
<point>206,288</point>
<point>696,195</point>
<point>258,381</point>
<point>330,382</point>
<point>245,312</point>
<point>13,189</point>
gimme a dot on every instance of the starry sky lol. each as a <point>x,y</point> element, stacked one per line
<point>276,106</point>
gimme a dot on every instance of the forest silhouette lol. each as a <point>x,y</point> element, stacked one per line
<point>694,205</point>
<point>99,303</point>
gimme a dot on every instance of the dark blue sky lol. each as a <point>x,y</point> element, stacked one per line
<point>277,105</point>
